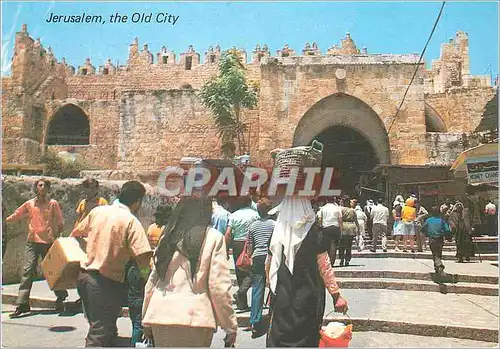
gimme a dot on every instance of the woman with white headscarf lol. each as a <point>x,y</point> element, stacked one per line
<point>299,272</point>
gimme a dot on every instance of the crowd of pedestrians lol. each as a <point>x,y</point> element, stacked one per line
<point>175,277</point>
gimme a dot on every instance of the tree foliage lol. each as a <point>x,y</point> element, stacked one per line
<point>226,95</point>
<point>57,167</point>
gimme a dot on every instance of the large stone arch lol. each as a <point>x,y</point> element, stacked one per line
<point>68,126</point>
<point>433,121</point>
<point>344,110</point>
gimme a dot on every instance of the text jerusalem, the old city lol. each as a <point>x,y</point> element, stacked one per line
<point>83,18</point>
<point>137,17</point>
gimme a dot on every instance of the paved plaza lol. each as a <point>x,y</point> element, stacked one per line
<point>383,314</point>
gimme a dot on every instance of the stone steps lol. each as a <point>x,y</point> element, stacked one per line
<point>392,246</point>
<point>418,285</point>
<point>389,274</point>
<point>360,324</point>
<point>418,255</point>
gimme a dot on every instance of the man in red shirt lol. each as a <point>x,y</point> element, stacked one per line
<point>45,224</point>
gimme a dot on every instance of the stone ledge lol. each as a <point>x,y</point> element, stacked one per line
<point>420,285</point>
<point>418,255</point>
<point>389,274</point>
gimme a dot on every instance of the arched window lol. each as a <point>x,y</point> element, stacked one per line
<point>69,126</point>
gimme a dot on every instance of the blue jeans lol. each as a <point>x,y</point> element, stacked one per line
<point>137,331</point>
<point>258,289</point>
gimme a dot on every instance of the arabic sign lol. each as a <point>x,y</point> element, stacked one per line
<point>482,170</point>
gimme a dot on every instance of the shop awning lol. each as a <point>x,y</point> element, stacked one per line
<point>483,152</point>
<point>480,163</point>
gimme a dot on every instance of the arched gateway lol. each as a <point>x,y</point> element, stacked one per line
<point>355,139</point>
<point>69,126</point>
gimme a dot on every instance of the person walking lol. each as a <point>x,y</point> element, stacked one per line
<point>259,238</point>
<point>408,216</point>
<point>368,212</point>
<point>45,225</point>
<point>155,230</point>
<point>397,228</point>
<point>187,293</point>
<point>91,200</point>
<point>236,235</point>
<point>490,214</point>
<point>422,215</point>
<point>5,239</point>
<point>220,215</point>
<point>460,226</point>
<point>135,284</point>
<point>436,229</point>
<point>114,236</point>
<point>330,219</point>
<point>445,209</point>
<point>380,217</point>
<point>350,228</point>
<point>361,216</point>
<point>299,269</point>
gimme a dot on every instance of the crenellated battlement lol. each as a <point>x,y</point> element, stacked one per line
<point>32,64</point>
<point>136,112</point>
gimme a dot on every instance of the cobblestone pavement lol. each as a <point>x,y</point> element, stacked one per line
<point>51,330</point>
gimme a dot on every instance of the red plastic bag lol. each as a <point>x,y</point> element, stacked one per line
<point>244,261</point>
<point>340,342</point>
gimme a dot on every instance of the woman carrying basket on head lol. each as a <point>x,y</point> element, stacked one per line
<point>299,270</point>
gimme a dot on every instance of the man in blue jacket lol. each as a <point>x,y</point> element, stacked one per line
<point>436,229</point>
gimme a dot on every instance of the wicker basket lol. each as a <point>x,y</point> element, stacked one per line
<point>298,157</point>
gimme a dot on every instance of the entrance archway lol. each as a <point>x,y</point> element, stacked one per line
<point>352,154</point>
<point>69,126</point>
<point>355,140</point>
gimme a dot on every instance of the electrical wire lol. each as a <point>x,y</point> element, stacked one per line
<point>418,64</point>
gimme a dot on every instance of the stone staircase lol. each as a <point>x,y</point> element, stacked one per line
<point>389,295</point>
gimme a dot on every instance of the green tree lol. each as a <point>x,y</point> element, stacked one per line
<point>226,95</point>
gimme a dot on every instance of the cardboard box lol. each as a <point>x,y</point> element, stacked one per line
<point>61,265</point>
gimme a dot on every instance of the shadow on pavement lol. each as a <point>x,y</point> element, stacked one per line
<point>442,280</point>
<point>350,265</point>
<point>62,329</point>
<point>35,312</point>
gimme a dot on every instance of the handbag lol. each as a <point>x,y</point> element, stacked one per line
<point>244,261</point>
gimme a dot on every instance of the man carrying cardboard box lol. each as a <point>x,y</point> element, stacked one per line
<point>45,224</point>
<point>114,236</point>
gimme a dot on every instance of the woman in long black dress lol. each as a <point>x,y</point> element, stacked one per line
<point>460,226</point>
<point>300,270</point>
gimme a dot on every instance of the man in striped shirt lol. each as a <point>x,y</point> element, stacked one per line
<point>236,235</point>
<point>259,237</point>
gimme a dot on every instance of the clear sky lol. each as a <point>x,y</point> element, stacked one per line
<point>383,27</point>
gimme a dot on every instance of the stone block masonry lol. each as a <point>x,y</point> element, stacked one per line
<point>146,114</point>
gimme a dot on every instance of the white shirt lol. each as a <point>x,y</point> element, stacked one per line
<point>380,214</point>
<point>361,216</point>
<point>330,214</point>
